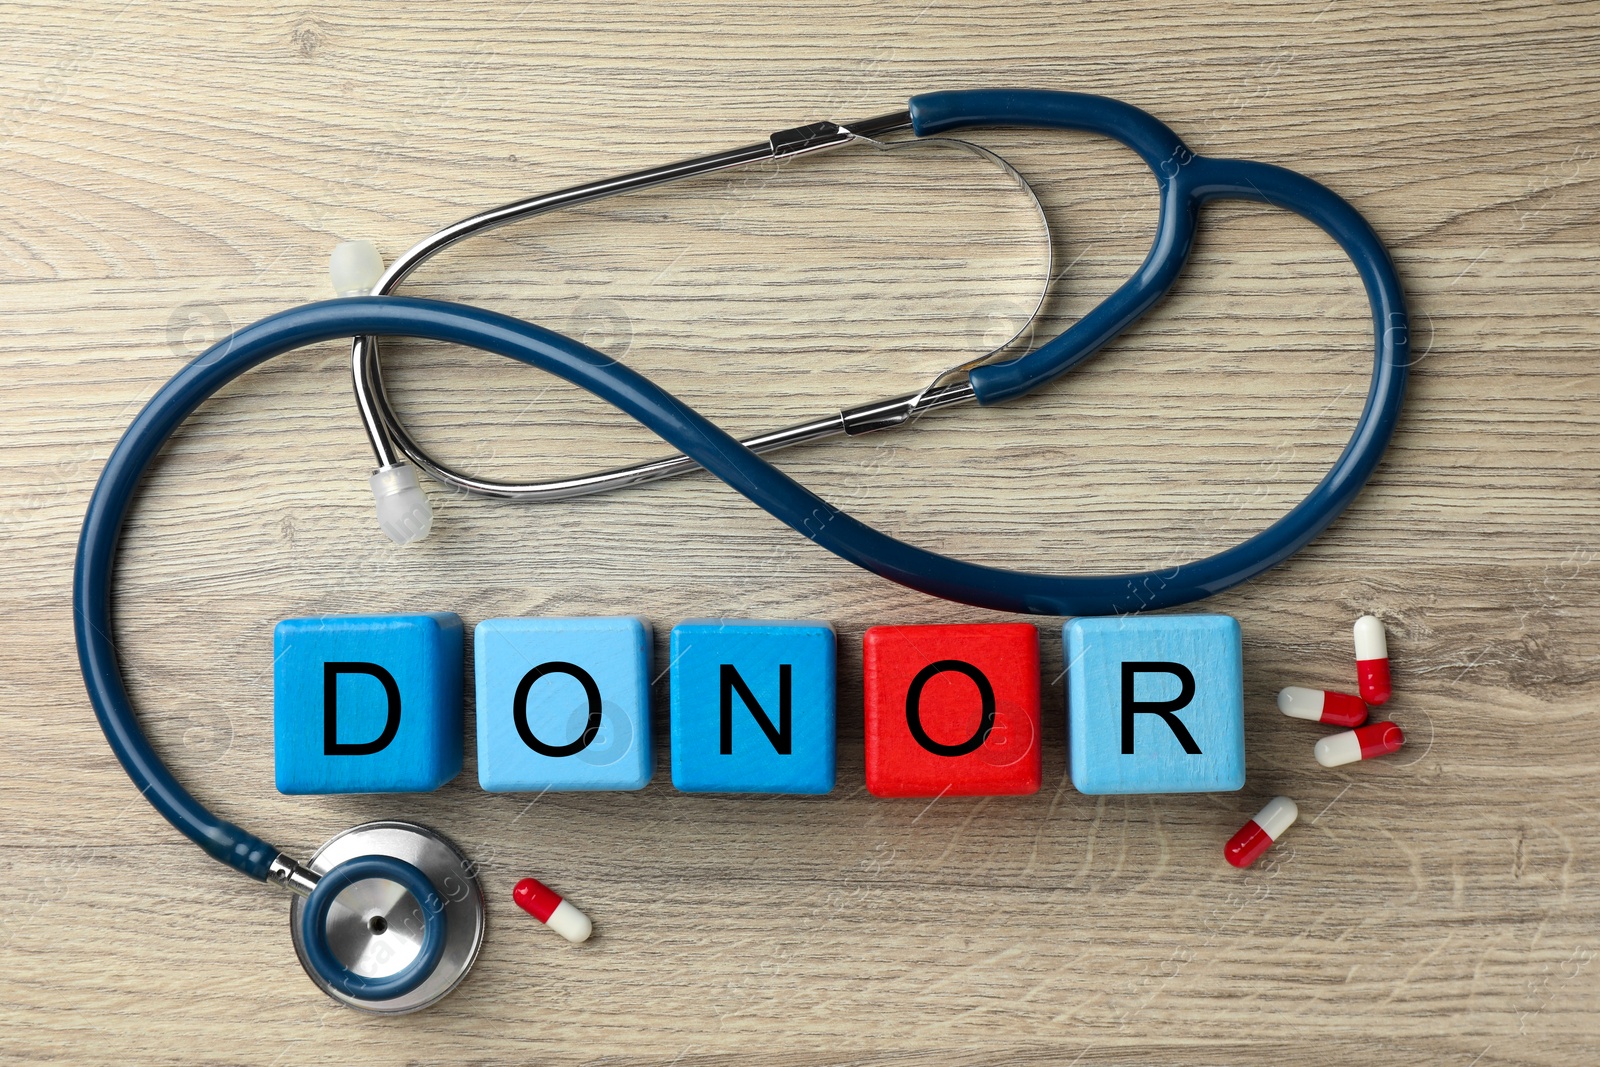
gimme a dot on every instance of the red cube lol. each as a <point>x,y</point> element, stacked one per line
<point>952,710</point>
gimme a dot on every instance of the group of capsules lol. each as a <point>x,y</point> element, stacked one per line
<point>1359,740</point>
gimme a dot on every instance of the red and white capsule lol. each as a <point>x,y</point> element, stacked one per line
<point>1257,835</point>
<point>1320,705</point>
<point>1368,742</point>
<point>1372,660</point>
<point>546,905</point>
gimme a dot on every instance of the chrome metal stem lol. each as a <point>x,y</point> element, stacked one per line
<point>295,877</point>
<point>885,414</point>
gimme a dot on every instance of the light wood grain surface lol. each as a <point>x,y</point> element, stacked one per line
<point>169,173</point>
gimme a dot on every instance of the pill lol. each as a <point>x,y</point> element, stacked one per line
<point>1372,660</point>
<point>1320,705</point>
<point>1257,835</point>
<point>1368,742</point>
<point>546,905</point>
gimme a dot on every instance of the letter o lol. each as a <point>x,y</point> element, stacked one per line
<point>519,709</point>
<point>914,703</point>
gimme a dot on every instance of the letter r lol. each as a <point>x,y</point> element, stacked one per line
<point>1163,708</point>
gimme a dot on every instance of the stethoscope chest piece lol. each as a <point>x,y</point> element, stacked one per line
<point>395,921</point>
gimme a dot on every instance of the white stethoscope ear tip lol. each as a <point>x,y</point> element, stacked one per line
<point>355,267</point>
<point>403,511</point>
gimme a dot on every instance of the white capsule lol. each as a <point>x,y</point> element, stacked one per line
<point>1257,835</point>
<point>548,906</point>
<point>1372,660</point>
<point>1320,705</point>
<point>1365,742</point>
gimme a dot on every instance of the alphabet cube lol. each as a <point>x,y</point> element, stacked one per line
<point>952,710</point>
<point>752,706</point>
<point>1155,704</point>
<point>367,703</point>
<point>563,704</point>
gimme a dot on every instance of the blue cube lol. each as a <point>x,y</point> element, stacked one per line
<point>367,703</point>
<point>752,706</point>
<point>563,704</point>
<point>1155,704</point>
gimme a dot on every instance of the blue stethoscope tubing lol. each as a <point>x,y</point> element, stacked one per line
<point>1185,182</point>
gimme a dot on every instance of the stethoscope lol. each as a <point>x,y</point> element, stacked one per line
<point>388,916</point>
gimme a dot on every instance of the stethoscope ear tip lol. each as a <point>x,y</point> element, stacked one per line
<point>404,514</point>
<point>355,267</point>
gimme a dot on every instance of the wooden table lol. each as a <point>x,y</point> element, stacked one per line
<point>171,174</point>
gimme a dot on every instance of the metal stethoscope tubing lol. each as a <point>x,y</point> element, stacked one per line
<point>1185,181</point>
<point>392,443</point>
